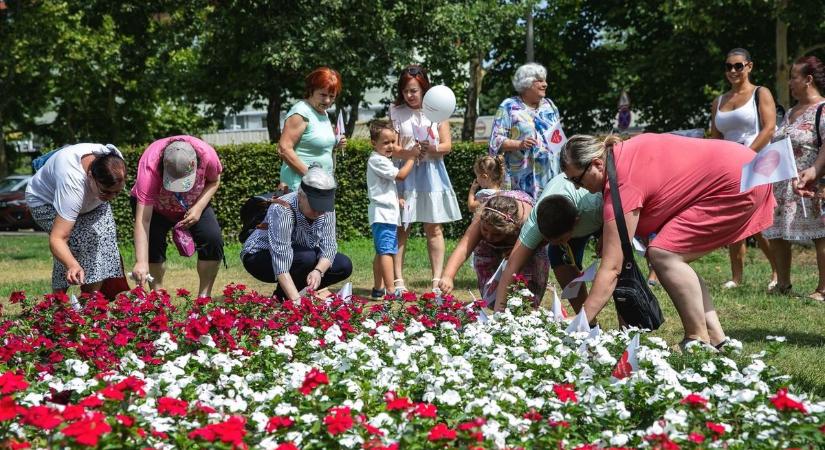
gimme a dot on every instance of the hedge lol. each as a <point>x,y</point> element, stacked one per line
<point>252,169</point>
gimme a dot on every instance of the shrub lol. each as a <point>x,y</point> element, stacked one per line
<point>251,169</point>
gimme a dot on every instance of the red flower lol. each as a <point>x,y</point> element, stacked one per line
<point>338,420</point>
<point>375,431</point>
<point>782,402</point>
<point>231,432</point>
<point>172,406</point>
<point>560,423</point>
<point>73,412</point>
<point>395,402</point>
<point>426,410</point>
<point>277,422</point>
<point>112,393</point>
<point>42,417</point>
<point>695,401</point>
<point>565,392</point>
<point>8,409</point>
<point>661,442</point>
<point>696,438</point>
<point>14,445</point>
<point>623,367</point>
<point>286,446</point>
<point>127,421</point>
<point>92,401</point>
<point>183,293</point>
<point>473,424</point>
<point>12,382</point>
<point>532,415</point>
<point>717,428</point>
<point>17,297</point>
<point>312,380</point>
<point>87,431</point>
<point>441,432</point>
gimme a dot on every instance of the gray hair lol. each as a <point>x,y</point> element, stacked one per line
<point>581,149</point>
<point>527,74</point>
<point>318,178</point>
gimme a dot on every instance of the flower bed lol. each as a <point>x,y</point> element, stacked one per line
<point>245,371</point>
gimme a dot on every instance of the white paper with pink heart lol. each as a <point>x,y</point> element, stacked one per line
<point>773,163</point>
<point>557,139</point>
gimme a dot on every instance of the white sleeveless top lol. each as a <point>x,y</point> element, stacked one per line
<point>740,125</point>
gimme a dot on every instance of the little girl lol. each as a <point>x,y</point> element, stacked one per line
<point>489,172</point>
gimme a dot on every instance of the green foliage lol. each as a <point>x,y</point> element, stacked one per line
<point>253,169</point>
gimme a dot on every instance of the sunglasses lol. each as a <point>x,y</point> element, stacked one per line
<point>577,181</point>
<point>735,66</point>
<point>414,70</point>
<point>107,192</point>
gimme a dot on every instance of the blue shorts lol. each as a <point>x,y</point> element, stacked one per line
<point>385,238</point>
<point>559,256</point>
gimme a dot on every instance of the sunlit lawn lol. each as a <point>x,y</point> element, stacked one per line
<point>747,313</point>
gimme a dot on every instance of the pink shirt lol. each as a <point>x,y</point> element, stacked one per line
<point>148,189</point>
<point>687,190</point>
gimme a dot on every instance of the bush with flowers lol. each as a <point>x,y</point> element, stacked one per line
<point>245,371</point>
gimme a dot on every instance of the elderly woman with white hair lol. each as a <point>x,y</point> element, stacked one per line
<point>523,131</point>
<point>295,246</point>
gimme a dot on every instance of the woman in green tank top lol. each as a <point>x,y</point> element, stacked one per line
<point>308,137</point>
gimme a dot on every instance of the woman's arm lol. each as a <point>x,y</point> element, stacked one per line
<point>59,245</point>
<point>193,214</point>
<point>767,117</point>
<point>518,258</point>
<point>445,139</point>
<point>462,251</point>
<point>472,203</point>
<point>143,219</point>
<point>714,132</point>
<point>294,127</point>
<point>611,265</point>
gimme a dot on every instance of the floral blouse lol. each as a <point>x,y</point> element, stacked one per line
<point>528,170</point>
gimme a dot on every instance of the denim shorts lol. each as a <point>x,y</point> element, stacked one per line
<point>385,238</point>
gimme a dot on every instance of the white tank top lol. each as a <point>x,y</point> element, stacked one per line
<point>740,125</point>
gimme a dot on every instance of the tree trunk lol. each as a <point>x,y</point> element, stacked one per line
<point>353,115</point>
<point>473,91</point>
<point>4,163</point>
<point>273,116</point>
<point>529,38</point>
<point>782,94</point>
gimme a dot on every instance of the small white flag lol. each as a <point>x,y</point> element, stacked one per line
<point>557,139</point>
<point>773,163</point>
<point>572,289</point>
<point>340,130</point>
<point>579,324</point>
<point>628,362</point>
<point>639,247</point>
<point>406,215</point>
<point>559,313</point>
<point>491,286</point>
<point>345,293</point>
<point>74,303</point>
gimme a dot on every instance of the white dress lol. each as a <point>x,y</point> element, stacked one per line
<point>427,189</point>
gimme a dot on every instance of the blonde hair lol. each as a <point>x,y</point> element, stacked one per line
<point>501,212</point>
<point>581,149</point>
<point>491,166</point>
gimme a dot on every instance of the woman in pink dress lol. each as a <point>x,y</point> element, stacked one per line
<point>687,192</point>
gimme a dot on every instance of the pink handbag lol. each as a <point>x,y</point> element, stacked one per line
<point>183,241</point>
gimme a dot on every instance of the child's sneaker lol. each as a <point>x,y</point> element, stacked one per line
<point>378,294</point>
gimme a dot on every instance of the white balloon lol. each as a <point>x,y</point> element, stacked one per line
<point>439,103</point>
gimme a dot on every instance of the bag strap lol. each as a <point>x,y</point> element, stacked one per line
<point>277,201</point>
<point>182,201</point>
<point>817,121</point>
<point>756,103</point>
<point>618,212</point>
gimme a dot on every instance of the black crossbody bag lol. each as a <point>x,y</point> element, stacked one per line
<point>635,302</point>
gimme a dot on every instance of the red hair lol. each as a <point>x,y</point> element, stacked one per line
<point>413,72</point>
<point>811,65</point>
<point>322,78</point>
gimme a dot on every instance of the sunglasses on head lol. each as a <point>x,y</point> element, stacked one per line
<point>735,66</point>
<point>414,70</point>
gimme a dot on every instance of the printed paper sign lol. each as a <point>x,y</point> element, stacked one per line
<point>557,139</point>
<point>492,285</point>
<point>628,362</point>
<point>773,163</point>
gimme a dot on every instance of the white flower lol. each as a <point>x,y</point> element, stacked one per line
<point>266,342</point>
<point>164,344</point>
<point>514,302</point>
<point>80,368</point>
<point>450,397</point>
<point>206,340</point>
<point>775,338</point>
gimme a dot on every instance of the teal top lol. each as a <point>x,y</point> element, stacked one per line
<point>589,207</point>
<point>315,145</point>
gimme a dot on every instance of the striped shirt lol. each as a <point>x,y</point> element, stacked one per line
<point>288,228</point>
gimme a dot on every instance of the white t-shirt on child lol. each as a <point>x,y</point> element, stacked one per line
<point>381,175</point>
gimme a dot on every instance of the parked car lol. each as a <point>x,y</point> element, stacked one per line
<point>14,213</point>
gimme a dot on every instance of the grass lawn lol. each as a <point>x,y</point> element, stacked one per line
<point>747,313</point>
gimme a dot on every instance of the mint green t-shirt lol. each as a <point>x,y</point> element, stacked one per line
<point>315,145</point>
<point>589,206</point>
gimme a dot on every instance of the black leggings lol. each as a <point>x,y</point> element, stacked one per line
<point>259,265</point>
<point>205,232</point>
